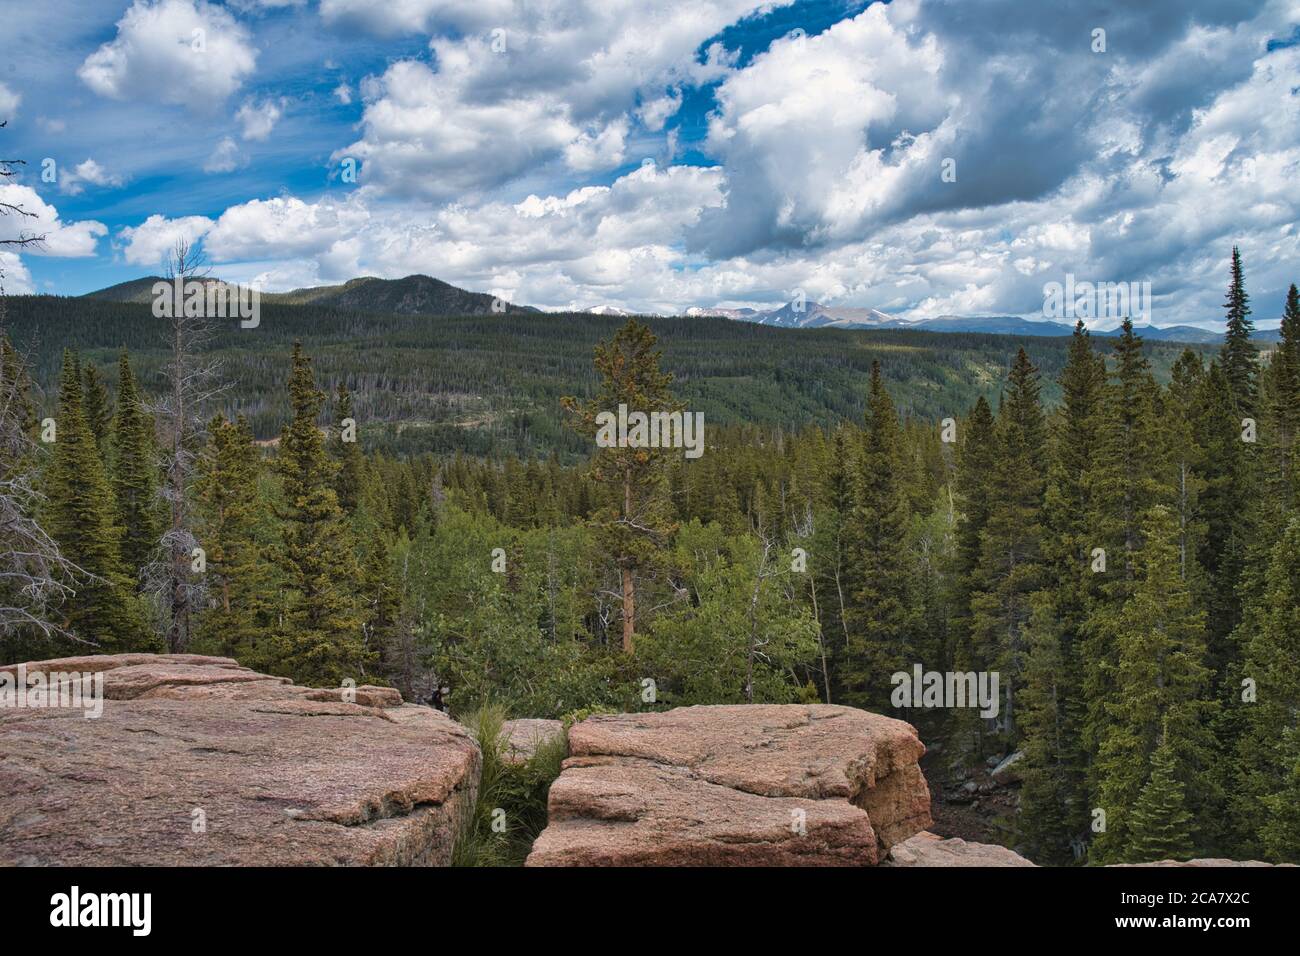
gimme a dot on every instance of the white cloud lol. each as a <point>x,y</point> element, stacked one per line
<point>62,239</point>
<point>149,243</point>
<point>258,119</point>
<point>225,158</point>
<point>74,183</point>
<point>343,93</point>
<point>181,52</point>
<point>563,84</point>
<point>14,277</point>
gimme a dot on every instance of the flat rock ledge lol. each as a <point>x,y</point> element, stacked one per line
<point>929,849</point>
<point>762,785</point>
<point>199,761</point>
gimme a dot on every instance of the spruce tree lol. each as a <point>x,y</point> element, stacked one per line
<point>98,406</point>
<point>1053,796</point>
<point>347,454</point>
<point>236,621</point>
<point>1162,693</point>
<point>135,472</point>
<point>1010,562</point>
<point>1239,358</point>
<point>878,619</point>
<point>1160,824</point>
<point>319,640</point>
<point>1267,695</point>
<point>974,489</point>
<point>80,516</point>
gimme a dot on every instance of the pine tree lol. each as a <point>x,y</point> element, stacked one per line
<point>81,518</point>
<point>1160,824</point>
<point>135,473</point>
<point>1010,562</point>
<point>99,412</point>
<point>1126,478</point>
<point>1162,693</point>
<point>1239,358</point>
<point>1267,695</point>
<point>1053,800</point>
<point>635,526</point>
<point>974,488</point>
<point>319,640</point>
<point>235,624</point>
<point>346,453</point>
<point>878,618</point>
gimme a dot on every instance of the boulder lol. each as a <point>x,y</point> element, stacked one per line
<point>735,785</point>
<point>199,761</point>
<point>929,849</point>
<point>1008,770</point>
<point>1203,862</point>
<point>521,738</point>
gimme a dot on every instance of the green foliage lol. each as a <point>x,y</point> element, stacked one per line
<point>509,811</point>
<point>319,638</point>
<point>737,631</point>
<point>1160,824</point>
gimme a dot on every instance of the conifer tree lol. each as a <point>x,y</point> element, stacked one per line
<point>880,640</point>
<point>135,473</point>
<point>99,412</point>
<point>1267,695</point>
<point>1053,793</point>
<point>974,487</point>
<point>1010,561</point>
<point>81,518</point>
<point>1160,824</point>
<point>346,453</point>
<point>1162,692</point>
<point>319,640</point>
<point>1239,357</point>
<point>235,624</point>
<point>635,526</point>
<point>1127,477</point>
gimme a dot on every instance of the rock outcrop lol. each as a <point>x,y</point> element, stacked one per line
<point>199,761</point>
<point>929,849</point>
<point>521,738</point>
<point>735,785</point>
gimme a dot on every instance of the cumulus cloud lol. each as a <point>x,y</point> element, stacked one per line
<point>63,239</point>
<point>515,86</point>
<point>88,172</point>
<point>14,277</point>
<point>831,153</point>
<point>150,243</point>
<point>182,52</point>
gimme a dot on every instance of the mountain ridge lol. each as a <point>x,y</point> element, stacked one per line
<point>420,294</point>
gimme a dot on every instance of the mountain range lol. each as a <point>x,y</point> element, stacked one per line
<point>425,295</point>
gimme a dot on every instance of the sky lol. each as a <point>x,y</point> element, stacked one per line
<point>921,157</point>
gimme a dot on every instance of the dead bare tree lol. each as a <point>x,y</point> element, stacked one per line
<point>193,383</point>
<point>35,578</point>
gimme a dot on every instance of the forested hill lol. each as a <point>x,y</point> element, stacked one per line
<point>488,384</point>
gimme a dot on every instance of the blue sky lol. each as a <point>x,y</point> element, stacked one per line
<point>657,155</point>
